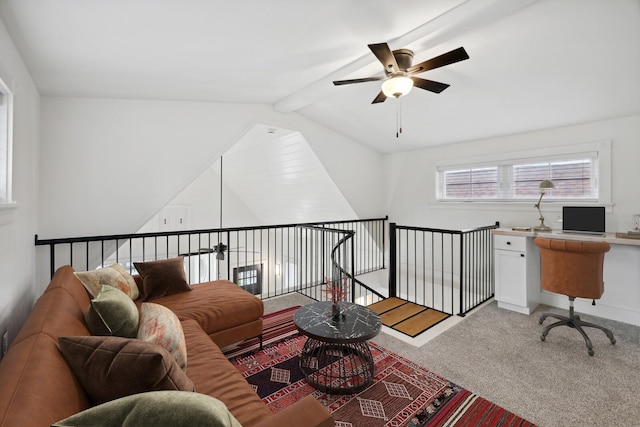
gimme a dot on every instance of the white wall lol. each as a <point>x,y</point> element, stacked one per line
<point>109,166</point>
<point>17,228</point>
<point>120,161</point>
<point>411,182</point>
<point>412,191</point>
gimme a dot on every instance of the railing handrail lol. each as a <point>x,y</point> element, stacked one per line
<point>447,231</point>
<point>39,241</point>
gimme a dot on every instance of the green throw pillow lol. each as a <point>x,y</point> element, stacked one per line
<point>112,312</point>
<point>154,409</point>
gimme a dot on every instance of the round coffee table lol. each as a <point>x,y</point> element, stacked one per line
<point>336,357</point>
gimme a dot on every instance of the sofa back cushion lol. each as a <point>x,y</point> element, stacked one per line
<point>38,387</point>
<point>55,313</point>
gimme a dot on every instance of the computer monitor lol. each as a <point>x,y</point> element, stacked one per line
<point>583,219</point>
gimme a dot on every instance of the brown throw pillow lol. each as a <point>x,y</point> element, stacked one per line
<point>162,277</point>
<point>112,367</point>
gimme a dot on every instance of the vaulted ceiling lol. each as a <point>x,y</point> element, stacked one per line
<point>533,64</point>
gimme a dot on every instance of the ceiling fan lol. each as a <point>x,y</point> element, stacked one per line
<point>399,76</point>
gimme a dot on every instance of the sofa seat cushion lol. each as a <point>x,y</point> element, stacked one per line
<point>156,408</point>
<point>213,375</point>
<point>216,306</point>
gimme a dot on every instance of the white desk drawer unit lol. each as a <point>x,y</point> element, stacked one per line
<point>510,243</point>
<point>517,273</point>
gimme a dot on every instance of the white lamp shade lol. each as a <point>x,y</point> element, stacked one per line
<point>397,86</point>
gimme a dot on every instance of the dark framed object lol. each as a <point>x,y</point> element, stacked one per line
<point>249,278</point>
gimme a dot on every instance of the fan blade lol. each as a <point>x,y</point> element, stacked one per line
<point>451,57</point>
<point>385,56</point>
<point>348,82</point>
<point>380,98</point>
<point>429,85</point>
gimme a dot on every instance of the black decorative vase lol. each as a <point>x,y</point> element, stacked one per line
<point>335,310</point>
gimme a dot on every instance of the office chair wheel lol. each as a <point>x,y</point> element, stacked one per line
<point>542,337</point>
<point>590,352</point>
<point>613,341</point>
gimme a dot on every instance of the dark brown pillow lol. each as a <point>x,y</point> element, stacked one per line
<point>112,367</point>
<point>162,277</point>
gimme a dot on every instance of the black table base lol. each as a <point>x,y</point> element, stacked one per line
<point>338,368</point>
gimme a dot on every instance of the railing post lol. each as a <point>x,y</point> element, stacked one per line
<point>353,267</point>
<point>392,259</point>
<point>462,282</point>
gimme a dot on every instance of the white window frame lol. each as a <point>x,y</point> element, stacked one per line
<point>600,151</point>
<point>7,205</point>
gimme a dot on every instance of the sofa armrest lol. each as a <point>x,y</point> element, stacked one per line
<point>307,412</point>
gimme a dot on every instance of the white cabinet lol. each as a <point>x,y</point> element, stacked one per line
<point>517,273</point>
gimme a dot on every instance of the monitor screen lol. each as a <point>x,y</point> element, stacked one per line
<point>585,219</point>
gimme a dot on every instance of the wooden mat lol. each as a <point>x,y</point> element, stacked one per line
<point>407,317</point>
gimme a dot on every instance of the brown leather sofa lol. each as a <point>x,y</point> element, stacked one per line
<point>38,388</point>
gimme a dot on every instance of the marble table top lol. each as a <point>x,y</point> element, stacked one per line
<point>357,324</point>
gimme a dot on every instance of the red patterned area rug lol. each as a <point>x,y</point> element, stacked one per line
<point>402,393</point>
<point>275,327</point>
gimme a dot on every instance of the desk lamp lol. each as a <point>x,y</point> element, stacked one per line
<point>543,188</point>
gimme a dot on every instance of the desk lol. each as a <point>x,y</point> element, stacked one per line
<point>517,275</point>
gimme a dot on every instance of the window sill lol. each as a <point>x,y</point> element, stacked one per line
<point>509,205</point>
<point>6,212</point>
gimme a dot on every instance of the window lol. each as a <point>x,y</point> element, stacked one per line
<point>6,106</point>
<point>472,183</point>
<point>577,175</point>
<point>572,179</point>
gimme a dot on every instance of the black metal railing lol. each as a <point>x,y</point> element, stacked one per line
<point>266,260</point>
<point>448,270</point>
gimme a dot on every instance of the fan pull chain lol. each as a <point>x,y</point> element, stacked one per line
<point>399,118</point>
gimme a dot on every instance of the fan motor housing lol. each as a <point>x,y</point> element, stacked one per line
<point>404,58</point>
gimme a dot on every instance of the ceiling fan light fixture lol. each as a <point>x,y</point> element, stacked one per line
<point>397,86</point>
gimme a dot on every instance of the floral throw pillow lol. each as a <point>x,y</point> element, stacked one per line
<point>115,275</point>
<point>159,325</point>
